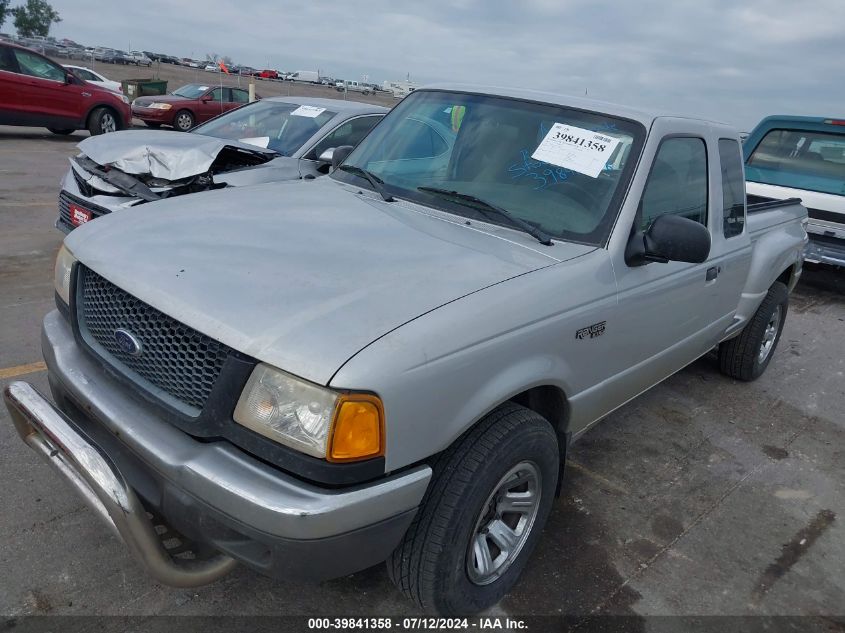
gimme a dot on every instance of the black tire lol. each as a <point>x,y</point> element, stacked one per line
<point>61,132</point>
<point>152,124</point>
<point>432,564</point>
<point>103,121</point>
<point>743,357</point>
<point>183,120</point>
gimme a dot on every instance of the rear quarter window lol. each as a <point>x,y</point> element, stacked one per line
<point>733,188</point>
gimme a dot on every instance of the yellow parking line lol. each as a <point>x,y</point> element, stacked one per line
<point>21,370</point>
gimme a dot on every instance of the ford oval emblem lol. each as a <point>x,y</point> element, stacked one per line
<point>127,342</point>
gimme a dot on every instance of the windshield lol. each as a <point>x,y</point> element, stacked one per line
<point>814,161</point>
<point>561,170</point>
<point>283,127</point>
<point>191,91</point>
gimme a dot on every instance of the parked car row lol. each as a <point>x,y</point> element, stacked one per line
<point>384,350</point>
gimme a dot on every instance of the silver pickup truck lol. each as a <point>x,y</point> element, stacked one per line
<point>391,363</point>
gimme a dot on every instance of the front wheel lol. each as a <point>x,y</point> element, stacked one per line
<point>183,121</point>
<point>482,515</point>
<point>102,121</point>
<point>745,357</point>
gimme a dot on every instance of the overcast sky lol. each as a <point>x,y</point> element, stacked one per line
<point>731,60</point>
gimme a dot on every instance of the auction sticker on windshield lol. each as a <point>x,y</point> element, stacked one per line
<point>574,148</point>
<point>309,111</point>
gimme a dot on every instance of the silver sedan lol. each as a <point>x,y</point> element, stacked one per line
<point>271,140</point>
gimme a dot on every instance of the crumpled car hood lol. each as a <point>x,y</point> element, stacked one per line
<point>160,153</point>
<point>300,274</point>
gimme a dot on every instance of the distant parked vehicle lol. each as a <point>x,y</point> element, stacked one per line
<point>268,74</point>
<point>310,76</point>
<point>116,57</point>
<point>86,74</point>
<point>187,106</point>
<point>353,86</point>
<point>140,59</point>
<point>212,68</point>
<point>36,91</point>
<point>282,138</point>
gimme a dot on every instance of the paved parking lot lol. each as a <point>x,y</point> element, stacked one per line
<point>703,496</point>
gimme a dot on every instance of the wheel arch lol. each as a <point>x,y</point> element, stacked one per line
<point>789,277</point>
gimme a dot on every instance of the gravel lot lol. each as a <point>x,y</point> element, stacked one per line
<point>703,496</point>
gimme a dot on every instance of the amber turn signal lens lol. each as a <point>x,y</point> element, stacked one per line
<point>358,429</point>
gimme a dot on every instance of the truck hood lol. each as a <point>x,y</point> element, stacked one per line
<point>163,154</point>
<point>302,274</point>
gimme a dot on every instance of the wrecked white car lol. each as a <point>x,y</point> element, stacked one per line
<point>270,140</point>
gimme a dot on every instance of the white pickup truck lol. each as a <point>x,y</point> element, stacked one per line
<point>391,362</point>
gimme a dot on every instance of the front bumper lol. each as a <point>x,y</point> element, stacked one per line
<point>212,492</point>
<point>153,115</point>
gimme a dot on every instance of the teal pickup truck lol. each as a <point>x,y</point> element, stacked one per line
<point>803,157</point>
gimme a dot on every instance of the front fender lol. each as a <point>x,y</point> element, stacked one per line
<point>441,373</point>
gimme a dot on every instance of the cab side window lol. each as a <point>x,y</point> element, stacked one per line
<point>240,96</point>
<point>349,133</point>
<point>733,188</point>
<point>37,66</point>
<point>677,183</point>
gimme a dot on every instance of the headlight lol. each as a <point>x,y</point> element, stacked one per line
<point>64,266</point>
<point>315,420</point>
<point>160,106</point>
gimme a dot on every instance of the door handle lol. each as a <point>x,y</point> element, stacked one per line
<point>712,273</point>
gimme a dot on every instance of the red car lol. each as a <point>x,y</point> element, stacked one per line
<point>268,74</point>
<point>35,91</point>
<point>188,106</point>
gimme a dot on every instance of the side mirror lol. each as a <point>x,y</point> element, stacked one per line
<point>206,98</point>
<point>339,154</point>
<point>71,79</point>
<point>670,238</point>
<point>326,156</point>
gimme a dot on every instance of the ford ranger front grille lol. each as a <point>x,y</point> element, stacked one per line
<point>167,358</point>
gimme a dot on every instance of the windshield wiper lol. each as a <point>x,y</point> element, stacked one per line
<point>487,209</point>
<point>376,182</point>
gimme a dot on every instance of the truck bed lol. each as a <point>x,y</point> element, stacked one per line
<point>764,213</point>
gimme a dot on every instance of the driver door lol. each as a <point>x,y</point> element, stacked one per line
<point>212,104</point>
<point>670,314</point>
<point>49,99</point>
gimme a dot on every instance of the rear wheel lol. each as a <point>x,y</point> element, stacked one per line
<point>482,515</point>
<point>103,121</point>
<point>745,357</point>
<point>61,132</point>
<point>183,121</point>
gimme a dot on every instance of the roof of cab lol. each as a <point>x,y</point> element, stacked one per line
<point>612,109</point>
<point>335,105</point>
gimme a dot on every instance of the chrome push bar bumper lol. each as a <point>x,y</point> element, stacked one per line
<point>96,478</point>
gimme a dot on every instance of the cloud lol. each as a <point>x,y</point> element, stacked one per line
<point>719,59</point>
